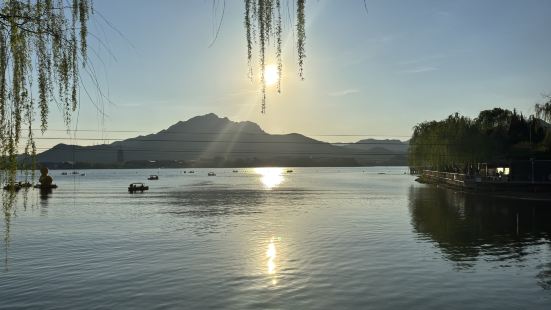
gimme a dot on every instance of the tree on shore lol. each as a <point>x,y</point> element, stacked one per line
<point>543,110</point>
<point>43,46</point>
<point>458,142</point>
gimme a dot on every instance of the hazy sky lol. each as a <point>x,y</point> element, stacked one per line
<point>376,73</point>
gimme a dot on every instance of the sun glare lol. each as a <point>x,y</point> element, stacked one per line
<point>271,75</point>
<point>270,177</point>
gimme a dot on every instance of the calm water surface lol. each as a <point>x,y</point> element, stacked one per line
<point>333,238</point>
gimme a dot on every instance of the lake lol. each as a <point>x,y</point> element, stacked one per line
<point>314,238</point>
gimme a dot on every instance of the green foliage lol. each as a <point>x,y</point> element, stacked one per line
<point>543,110</point>
<point>42,46</point>
<point>458,141</point>
<point>262,26</point>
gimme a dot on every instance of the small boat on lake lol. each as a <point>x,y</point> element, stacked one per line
<point>75,172</point>
<point>153,177</point>
<point>137,187</point>
<point>235,171</point>
<point>42,186</point>
<point>64,173</point>
<point>191,171</point>
<point>289,170</point>
<point>17,186</point>
<point>212,174</point>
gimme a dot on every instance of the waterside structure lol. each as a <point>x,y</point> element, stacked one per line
<point>527,176</point>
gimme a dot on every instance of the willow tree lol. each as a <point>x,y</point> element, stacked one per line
<point>543,110</point>
<point>449,144</point>
<point>42,48</point>
<point>263,27</point>
<point>458,142</point>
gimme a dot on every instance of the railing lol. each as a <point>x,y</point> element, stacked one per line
<point>451,176</point>
<point>461,177</point>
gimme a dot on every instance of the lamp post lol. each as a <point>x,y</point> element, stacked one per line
<point>532,162</point>
<point>531,122</point>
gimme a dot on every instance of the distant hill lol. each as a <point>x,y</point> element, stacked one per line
<point>387,145</point>
<point>212,139</point>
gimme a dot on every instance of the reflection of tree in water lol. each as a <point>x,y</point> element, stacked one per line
<point>544,276</point>
<point>8,210</point>
<point>10,205</point>
<point>466,226</point>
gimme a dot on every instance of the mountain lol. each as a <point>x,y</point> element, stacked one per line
<point>388,152</point>
<point>209,139</point>
<point>393,146</point>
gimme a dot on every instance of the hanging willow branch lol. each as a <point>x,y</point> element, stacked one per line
<point>262,27</point>
<point>42,46</point>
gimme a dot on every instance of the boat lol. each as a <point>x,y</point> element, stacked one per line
<point>235,171</point>
<point>212,174</point>
<point>64,173</point>
<point>153,177</point>
<point>25,184</point>
<point>83,174</point>
<point>17,186</point>
<point>40,186</point>
<point>75,172</point>
<point>289,170</point>
<point>191,171</point>
<point>137,187</point>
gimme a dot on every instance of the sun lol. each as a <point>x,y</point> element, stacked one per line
<point>271,75</point>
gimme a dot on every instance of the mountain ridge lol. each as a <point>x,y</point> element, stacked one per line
<point>214,138</point>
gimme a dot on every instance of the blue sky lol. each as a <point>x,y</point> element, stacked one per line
<point>376,73</point>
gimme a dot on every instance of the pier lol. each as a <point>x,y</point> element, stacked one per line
<point>482,183</point>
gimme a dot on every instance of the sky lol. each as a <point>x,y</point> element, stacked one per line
<point>372,73</point>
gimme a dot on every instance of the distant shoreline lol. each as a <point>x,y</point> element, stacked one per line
<point>54,168</point>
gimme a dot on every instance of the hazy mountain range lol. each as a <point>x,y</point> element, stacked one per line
<point>211,138</point>
<point>375,146</point>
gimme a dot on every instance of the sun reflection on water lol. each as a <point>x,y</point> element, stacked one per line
<point>271,254</point>
<point>270,177</point>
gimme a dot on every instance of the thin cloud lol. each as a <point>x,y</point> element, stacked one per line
<point>425,59</point>
<point>420,70</point>
<point>344,92</point>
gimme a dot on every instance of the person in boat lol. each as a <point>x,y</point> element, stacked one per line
<point>45,180</point>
